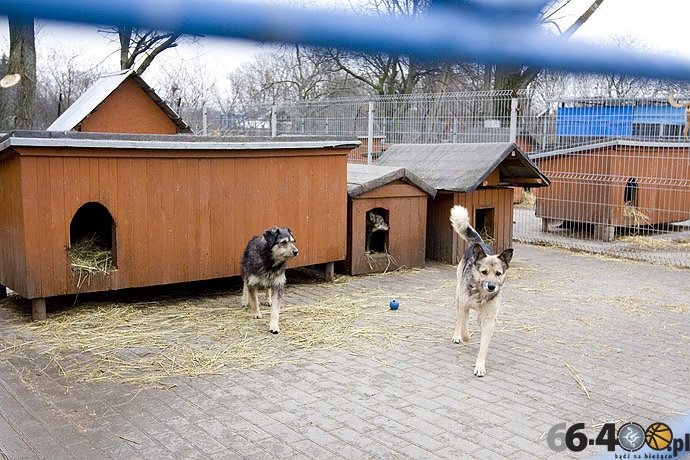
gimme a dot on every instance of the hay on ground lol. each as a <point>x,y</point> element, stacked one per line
<point>145,343</point>
<point>656,242</point>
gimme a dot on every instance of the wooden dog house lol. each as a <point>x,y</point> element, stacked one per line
<point>400,197</point>
<point>479,177</point>
<point>594,184</point>
<point>170,208</point>
<point>173,208</point>
<point>120,102</point>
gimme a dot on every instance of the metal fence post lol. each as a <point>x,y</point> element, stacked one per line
<point>370,132</point>
<point>274,121</point>
<point>513,119</point>
<point>204,120</point>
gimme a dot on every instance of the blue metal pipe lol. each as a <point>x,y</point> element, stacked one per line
<point>485,31</point>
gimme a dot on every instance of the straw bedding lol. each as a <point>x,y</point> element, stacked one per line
<point>653,243</point>
<point>634,216</point>
<point>145,342</point>
<point>88,257</point>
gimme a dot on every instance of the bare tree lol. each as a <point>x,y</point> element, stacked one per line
<point>257,80</point>
<point>551,85</point>
<point>61,83</point>
<point>139,47</point>
<point>516,77</point>
<point>618,85</point>
<point>385,73</point>
<point>188,88</point>
<point>19,99</point>
<point>298,73</point>
<point>288,73</point>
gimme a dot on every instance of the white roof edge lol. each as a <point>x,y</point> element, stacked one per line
<point>169,145</point>
<point>610,143</point>
<point>89,100</point>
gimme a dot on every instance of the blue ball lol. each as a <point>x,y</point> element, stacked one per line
<point>394,304</point>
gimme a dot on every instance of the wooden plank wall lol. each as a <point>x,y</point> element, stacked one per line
<point>590,187</point>
<point>407,206</point>
<point>128,110</point>
<point>575,200</point>
<point>663,192</point>
<point>12,253</point>
<point>577,192</point>
<point>439,235</point>
<point>442,242</point>
<point>178,218</point>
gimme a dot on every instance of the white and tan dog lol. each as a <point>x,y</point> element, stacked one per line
<point>480,277</point>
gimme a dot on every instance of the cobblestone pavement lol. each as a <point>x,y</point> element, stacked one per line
<point>580,339</point>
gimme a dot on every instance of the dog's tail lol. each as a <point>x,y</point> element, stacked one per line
<point>460,220</point>
<point>673,102</point>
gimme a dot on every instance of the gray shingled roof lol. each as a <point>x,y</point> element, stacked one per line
<point>364,178</point>
<point>464,167</point>
<point>99,91</point>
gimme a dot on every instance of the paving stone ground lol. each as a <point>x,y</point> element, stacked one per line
<point>580,339</point>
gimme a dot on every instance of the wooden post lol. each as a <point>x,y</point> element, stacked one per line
<point>604,232</point>
<point>38,309</point>
<point>329,271</point>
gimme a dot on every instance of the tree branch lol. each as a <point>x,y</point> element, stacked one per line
<point>169,43</point>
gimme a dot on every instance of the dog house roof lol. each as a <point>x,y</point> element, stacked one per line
<point>595,148</point>
<point>464,167</point>
<point>99,91</point>
<point>148,144</point>
<point>364,178</point>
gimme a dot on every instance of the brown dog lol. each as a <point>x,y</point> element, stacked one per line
<point>480,277</point>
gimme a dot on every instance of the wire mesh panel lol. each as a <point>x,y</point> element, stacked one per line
<point>620,180</point>
<point>338,117</point>
<point>419,118</point>
<point>437,118</point>
<point>619,168</point>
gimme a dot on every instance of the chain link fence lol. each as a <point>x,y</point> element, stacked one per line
<point>619,168</point>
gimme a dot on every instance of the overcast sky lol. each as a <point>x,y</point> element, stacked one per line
<point>660,24</point>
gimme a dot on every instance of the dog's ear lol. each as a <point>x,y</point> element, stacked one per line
<point>271,235</point>
<point>477,252</point>
<point>506,256</point>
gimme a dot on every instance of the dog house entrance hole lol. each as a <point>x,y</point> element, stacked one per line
<point>630,192</point>
<point>376,221</point>
<point>92,238</point>
<point>484,224</point>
